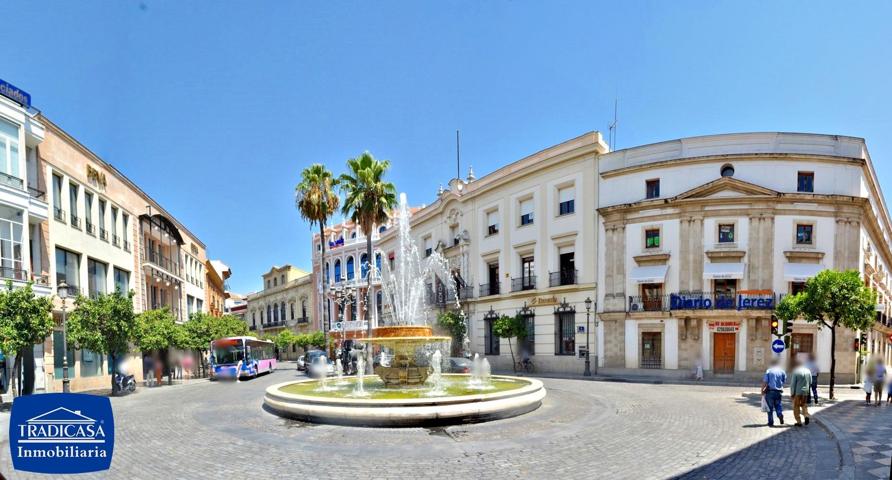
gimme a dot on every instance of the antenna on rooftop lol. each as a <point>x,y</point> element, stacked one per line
<point>457,155</point>
<point>611,138</point>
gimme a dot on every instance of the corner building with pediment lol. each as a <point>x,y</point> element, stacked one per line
<point>700,238</point>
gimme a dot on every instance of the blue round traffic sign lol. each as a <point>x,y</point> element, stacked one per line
<point>777,346</point>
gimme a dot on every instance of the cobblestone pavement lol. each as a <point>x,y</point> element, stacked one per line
<point>865,434</point>
<point>583,430</point>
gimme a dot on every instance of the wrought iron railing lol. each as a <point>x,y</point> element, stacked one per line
<point>14,273</point>
<point>303,319</point>
<point>126,246</point>
<point>116,240</point>
<point>166,263</point>
<point>59,214</point>
<point>91,229</point>
<point>466,292</point>
<point>487,289</point>
<point>523,283</point>
<point>563,277</point>
<point>649,303</point>
<point>36,193</point>
<point>9,180</point>
<point>103,234</point>
<point>75,221</point>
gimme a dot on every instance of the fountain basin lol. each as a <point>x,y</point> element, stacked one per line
<point>511,396</point>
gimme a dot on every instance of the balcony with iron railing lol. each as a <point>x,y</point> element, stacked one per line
<point>75,221</point>
<point>18,274</point>
<point>274,324</point>
<point>466,292</point>
<point>488,289</point>
<point>37,193</point>
<point>59,214</point>
<point>103,234</point>
<point>126,246</point>
<point>303,319</point>
<point>520,284</point>
<point>157,259</point>
<point>11,181</point>
<point>116,240</point>
<point>90,227</point>
<point>563,277</point>
<point>252,327</point>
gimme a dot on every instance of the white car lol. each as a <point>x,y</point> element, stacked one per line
<point>320,366</point>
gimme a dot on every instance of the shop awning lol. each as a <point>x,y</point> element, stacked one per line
<point>721,271</point>
<point>649,274</point>
<point>801,272</point>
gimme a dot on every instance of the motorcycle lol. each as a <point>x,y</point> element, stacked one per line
<point>125,384</point>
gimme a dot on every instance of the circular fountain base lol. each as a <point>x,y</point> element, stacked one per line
<point>306,402</point>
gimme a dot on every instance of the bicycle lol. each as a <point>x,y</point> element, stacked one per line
<point>526,366</point>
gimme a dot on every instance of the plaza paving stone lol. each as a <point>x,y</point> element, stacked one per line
<point>583,430</point>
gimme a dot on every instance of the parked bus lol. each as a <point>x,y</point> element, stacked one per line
<point>237,357</point>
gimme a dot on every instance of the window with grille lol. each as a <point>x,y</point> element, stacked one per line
<point>565,333</point>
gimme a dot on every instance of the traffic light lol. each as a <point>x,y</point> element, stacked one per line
<point>775,324</point>
<point>787,341</point>
<point>788,327</point>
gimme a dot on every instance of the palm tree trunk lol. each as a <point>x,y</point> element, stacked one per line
<point>368,298</point>
<point>323,269</point>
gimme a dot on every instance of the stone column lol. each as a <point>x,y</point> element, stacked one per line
<point>760,249</point>
<point>690,254</point>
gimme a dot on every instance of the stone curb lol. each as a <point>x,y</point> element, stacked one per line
<point>847,468</point>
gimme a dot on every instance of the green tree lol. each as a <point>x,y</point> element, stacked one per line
<point>368,201</point>
<point>25,320</point>
<point>104,324</point>
<point>228,326</point>
<point>285,339</point>
<point>832,299</point>
<point>510,327</point>
<point>317,201</point>
<point>316,339</point>
<point>156,330</point>
<point>454,322</point>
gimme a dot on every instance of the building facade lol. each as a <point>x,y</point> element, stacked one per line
<point>23,214</point>
<point>700,238</point>
<point>215,292</point>
<point>285,302</point>
<point>105,234</point>
<point>520,240</point>
<point>346,269</point>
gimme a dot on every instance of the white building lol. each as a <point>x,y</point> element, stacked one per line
<point>699,238</point>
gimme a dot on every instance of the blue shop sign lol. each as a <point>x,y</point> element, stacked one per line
<point>743,301</point>
<point>15,94</point>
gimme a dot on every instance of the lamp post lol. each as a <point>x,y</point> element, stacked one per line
<point>62,291</point>
<point>588,309</point>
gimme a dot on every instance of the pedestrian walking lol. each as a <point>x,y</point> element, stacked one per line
<point>772,389</point>
<point>800,383</point>
<point>879,380</point>
<point>148,370</point>
<point>869,372</point>
<point>812,366</point>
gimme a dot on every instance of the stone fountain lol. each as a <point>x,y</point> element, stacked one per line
<point>411,390</point>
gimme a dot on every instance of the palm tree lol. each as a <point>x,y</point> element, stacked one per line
<point>368,202</point>
<point>317,201</point>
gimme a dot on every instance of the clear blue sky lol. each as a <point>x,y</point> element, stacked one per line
<point>215,107</point>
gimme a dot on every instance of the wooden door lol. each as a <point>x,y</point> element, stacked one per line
<point>723,352</point>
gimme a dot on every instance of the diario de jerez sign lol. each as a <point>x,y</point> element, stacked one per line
<point>14,93</point>
<point>742,300</point>
<point>59,433</point>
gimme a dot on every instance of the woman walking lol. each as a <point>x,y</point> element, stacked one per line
<point>879,380</point>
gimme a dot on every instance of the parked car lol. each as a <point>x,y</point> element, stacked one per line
<point>320,366</point>
<point>459,365</point>
<point>307,359</point>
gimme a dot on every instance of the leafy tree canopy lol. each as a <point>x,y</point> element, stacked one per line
<point>104,324</point>
<point>157,330</point>
<point>25,318</point>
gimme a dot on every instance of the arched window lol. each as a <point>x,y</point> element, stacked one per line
<point>382,229</point>
<point>379,303</point>
<point>269,313</point>
<point>275,282</point>
<point>283,312</point>
<point>327,273</point>
<point>353,234</point>
<point>303,308</point>
<point>349,268</point>
<point>364,265</point>
<point>254,318</point>
<point>378,263</point>
<point>337,270</point>
<point>283,279</point>
<point>728,170</point>
<point>292,311</point>
<point>353,310</point>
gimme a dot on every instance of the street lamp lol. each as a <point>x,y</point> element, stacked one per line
<point>588,309</point>
<point>62,291</point>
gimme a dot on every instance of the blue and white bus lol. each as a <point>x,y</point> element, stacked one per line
<point>237,357</point>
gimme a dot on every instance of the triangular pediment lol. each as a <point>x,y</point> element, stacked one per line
<point>726,187</point>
